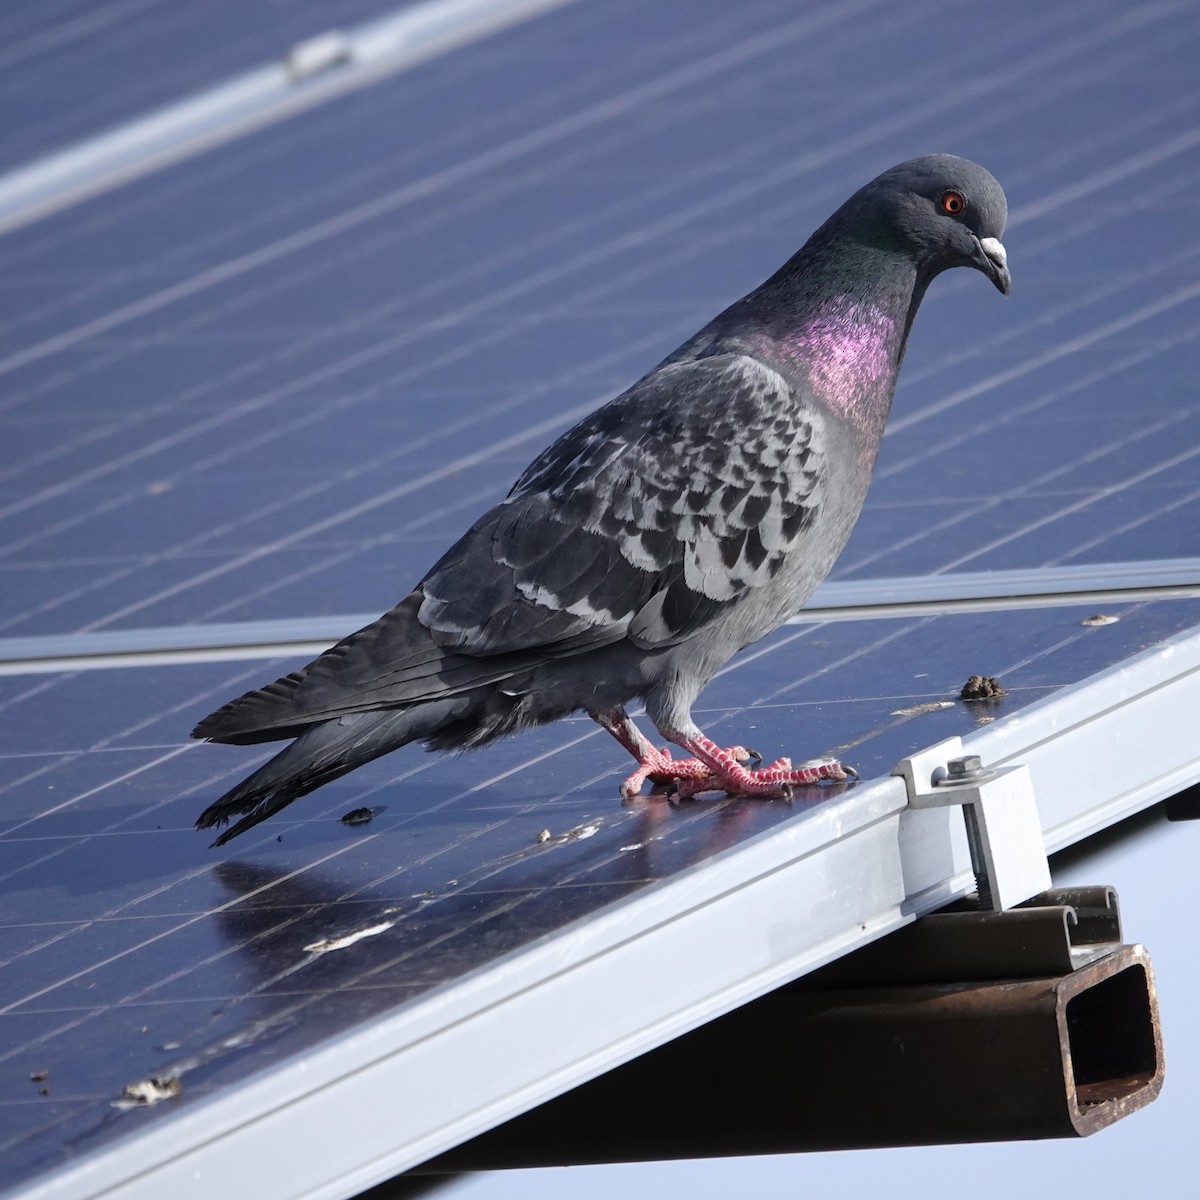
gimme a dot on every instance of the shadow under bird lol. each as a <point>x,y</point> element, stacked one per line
<point>677,524</point>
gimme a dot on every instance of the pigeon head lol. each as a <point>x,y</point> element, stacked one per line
<point>941,211</point>
<point>838,313</point>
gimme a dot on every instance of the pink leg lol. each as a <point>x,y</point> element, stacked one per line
<point>729,775</point>
<point>657,765</point>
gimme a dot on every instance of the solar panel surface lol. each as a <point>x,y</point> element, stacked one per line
<point>131,951</point>
<point>275,381</point>
<point>280,378</point>
<point>72,68</point>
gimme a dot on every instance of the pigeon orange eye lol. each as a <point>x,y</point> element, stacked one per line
<point>953,203</point>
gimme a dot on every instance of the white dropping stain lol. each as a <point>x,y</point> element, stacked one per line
<point>149,1091</point>
<point>1100,619</point>
<point>572,835</point>
<point>633,846</point>
<point>917,709</point>
<point>347,939</point>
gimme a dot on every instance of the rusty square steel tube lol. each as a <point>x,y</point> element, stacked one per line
<point>824,1069</point>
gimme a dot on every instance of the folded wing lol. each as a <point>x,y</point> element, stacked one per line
<point>645,522</point>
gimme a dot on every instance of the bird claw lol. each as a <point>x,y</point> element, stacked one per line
<point>727,772</point>
<point>736,771</point>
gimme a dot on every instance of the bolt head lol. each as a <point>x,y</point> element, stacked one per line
<point>965,766</point>
<point>967,769</point>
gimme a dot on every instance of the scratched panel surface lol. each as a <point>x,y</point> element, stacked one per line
<point>69,69</point>
<point>277,380</point>
<point>129,950</point>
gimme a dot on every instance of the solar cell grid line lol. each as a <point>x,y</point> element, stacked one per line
<point>438,285</point>
<point>297,75</point>
<point>1185,456</point>
<point>710,25</point>
<point>1146,432</point>
<point>855,561</point>
<point>37,29</point>
<point>169,441</point>
<point>1006,375</point>
<point>1167,189</point>
<point>173,749</point>
<point>1116,531</point>
<point>297,136</point>
<point>75,72</point>
<point>1105,331</point>
<point>1149,346</point>
<point>454,466</point>
<point>807,678</point>
<point>904,420</point>
<point>246,678</point>
<point>1144,313</point>
<point>855,653</point>
<point>482,875</point>
<point>588,843</point>
<point>935,531</point>
<point>729,56</point>
<point>1039,586</point>
<point>476,832</point>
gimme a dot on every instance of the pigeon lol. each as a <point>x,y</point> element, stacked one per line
<point>678,523</point>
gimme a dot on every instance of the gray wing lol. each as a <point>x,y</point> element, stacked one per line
<point>644,522</point>
<point>647,521</point>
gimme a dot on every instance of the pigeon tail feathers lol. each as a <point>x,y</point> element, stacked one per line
<point>322,753</point>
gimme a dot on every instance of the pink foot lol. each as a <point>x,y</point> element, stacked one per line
<point>725,773</point>
<point>662,770</point>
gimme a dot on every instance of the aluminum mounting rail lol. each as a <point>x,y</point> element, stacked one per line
<point>313,71</point>
<point>845,600</point>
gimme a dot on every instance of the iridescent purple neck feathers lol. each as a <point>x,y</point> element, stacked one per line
<point>849,351</point>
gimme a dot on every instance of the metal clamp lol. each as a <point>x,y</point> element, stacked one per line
<point>1004,831</point>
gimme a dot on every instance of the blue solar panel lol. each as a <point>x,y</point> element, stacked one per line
<point>129,950</point>
<point>278,379</point>
<point>222,378</point>
<point>72,68</point>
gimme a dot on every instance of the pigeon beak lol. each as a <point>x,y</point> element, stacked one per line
<point>993,262</point>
